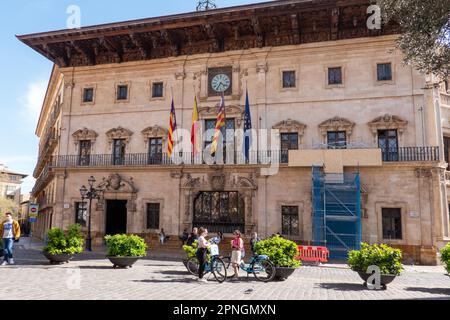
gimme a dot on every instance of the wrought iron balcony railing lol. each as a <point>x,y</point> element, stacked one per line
<point>406,154</point>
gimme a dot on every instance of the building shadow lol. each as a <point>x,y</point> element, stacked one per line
<point>174,273</point>
<point>343,286</point>
<point>440,291</point>
<point>166,281</point>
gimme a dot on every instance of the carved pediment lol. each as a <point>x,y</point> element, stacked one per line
<point>289,125</point>
<point>206,112</point>
<point>337,124</point>
<point>154,132</point>
<point>119,133</point>
<point>388,122</point>
<point>84,134</point>
<point>116,183</point>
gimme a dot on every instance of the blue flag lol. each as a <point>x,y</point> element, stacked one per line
<point>247,128</point>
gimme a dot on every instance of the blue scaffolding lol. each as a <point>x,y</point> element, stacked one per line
<point>336,212</point>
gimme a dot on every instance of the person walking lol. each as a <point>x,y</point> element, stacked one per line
<point>202,250</point>
<point>237,248</point>
<point>10,231</point>
<point>192,237</point>
<point>253,241</point>
<point>162,236</point>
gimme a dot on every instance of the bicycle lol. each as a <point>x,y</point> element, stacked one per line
<point>216,265</point>
<point>261,268</point>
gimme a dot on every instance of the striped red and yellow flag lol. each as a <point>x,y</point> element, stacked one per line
<point>221,120</point>
<point>172,128</point>
<point>196,138</point>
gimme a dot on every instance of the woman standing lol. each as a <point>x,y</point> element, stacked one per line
<point>237,246</point>
<point>201,253</point>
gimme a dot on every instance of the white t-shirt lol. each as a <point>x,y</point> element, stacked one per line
<point>8,230</point>
<point>202,243</point>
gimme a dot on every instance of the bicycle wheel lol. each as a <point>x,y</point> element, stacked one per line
<point>227,261</point>
<point>263,270</point>
<point>219,270</point>
<point>192,266</point>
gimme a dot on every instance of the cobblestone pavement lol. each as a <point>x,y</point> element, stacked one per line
<point>91,276</point>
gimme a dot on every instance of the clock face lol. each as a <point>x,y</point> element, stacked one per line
<point>221,82</point>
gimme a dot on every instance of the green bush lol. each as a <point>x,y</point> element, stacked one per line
<point>388,259</point>
<point>281,252</point>
<point>60,242</point>
<point>122,245</point>
<point>445,257</point>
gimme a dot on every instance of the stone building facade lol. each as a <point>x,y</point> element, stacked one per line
<point>337,92</point>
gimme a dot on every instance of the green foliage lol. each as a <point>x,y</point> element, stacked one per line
<point>281,252</point>
<point>425,39</point>
<point>445,256</point>
<point>191,250</point>
<point>60,242</point>
<point>123,245</point>
<point>388,259</point>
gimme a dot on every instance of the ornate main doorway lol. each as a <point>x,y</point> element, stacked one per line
<point>220,211</point>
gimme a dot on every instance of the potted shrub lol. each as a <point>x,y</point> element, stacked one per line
<point>62,246</point>
<point>388,259</point>
<point>125,250</point>
<point>282,253</point>
<point>445,257</point>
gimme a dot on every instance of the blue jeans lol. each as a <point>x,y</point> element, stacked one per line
<point>8,249</point>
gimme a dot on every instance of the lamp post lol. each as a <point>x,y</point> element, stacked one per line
<point>91,193</point>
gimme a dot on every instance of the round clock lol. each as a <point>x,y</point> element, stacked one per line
<point>221,82</point>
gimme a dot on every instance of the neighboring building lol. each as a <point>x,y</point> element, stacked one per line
<point>361,145</point>
<point>10,183</point>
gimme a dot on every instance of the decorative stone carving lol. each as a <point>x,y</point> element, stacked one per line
<point>289,126</point>
<point>154,132</point>
<point>191,182</point>
<point>115,183</point>
<point>217,181</point>
<point>388,122</point>
<point>336,124</point>
<point>119,133</point>
<point>84,134</point>
<point>423,173</point>
<point>205,112</point>
<point>262,67</point>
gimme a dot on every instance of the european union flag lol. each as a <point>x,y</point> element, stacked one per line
<point>247,128</point>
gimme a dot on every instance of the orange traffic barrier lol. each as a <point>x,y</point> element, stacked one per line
<point>313,254</point>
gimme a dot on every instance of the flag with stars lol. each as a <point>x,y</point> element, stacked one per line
<point>247,127</point>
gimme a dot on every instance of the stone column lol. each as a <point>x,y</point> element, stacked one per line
<point>59,213</point>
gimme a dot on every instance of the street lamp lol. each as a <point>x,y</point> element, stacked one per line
<point>91,193</point>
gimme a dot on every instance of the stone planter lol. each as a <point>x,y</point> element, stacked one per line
<point>58,258</point>
<point>123,262</point>
<point>282,273</point>
<point>385,279</point>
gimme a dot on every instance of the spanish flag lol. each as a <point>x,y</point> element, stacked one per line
<point>221,118</point>
<point>172,128</point>
<point>196,138</point>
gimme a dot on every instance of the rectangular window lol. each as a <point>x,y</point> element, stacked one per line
<point>447,151</point>
<point>290,221</point>
<point>337,140</point>
<point>155,150</point>
<point>81,213</point>
<point>84,153</point>
<point>334,76</point>
<point>289,141</point>
<point>119,152</point>
<point>384,72</point>
<point>388,143</point>
<point>88,95</point>
<point>392,223</point>
<point>122,92</point>
<point>289,79</point>
<point>157,90</point>
<point>153,211</point>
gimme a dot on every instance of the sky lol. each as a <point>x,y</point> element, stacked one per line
<point>24,73</point>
